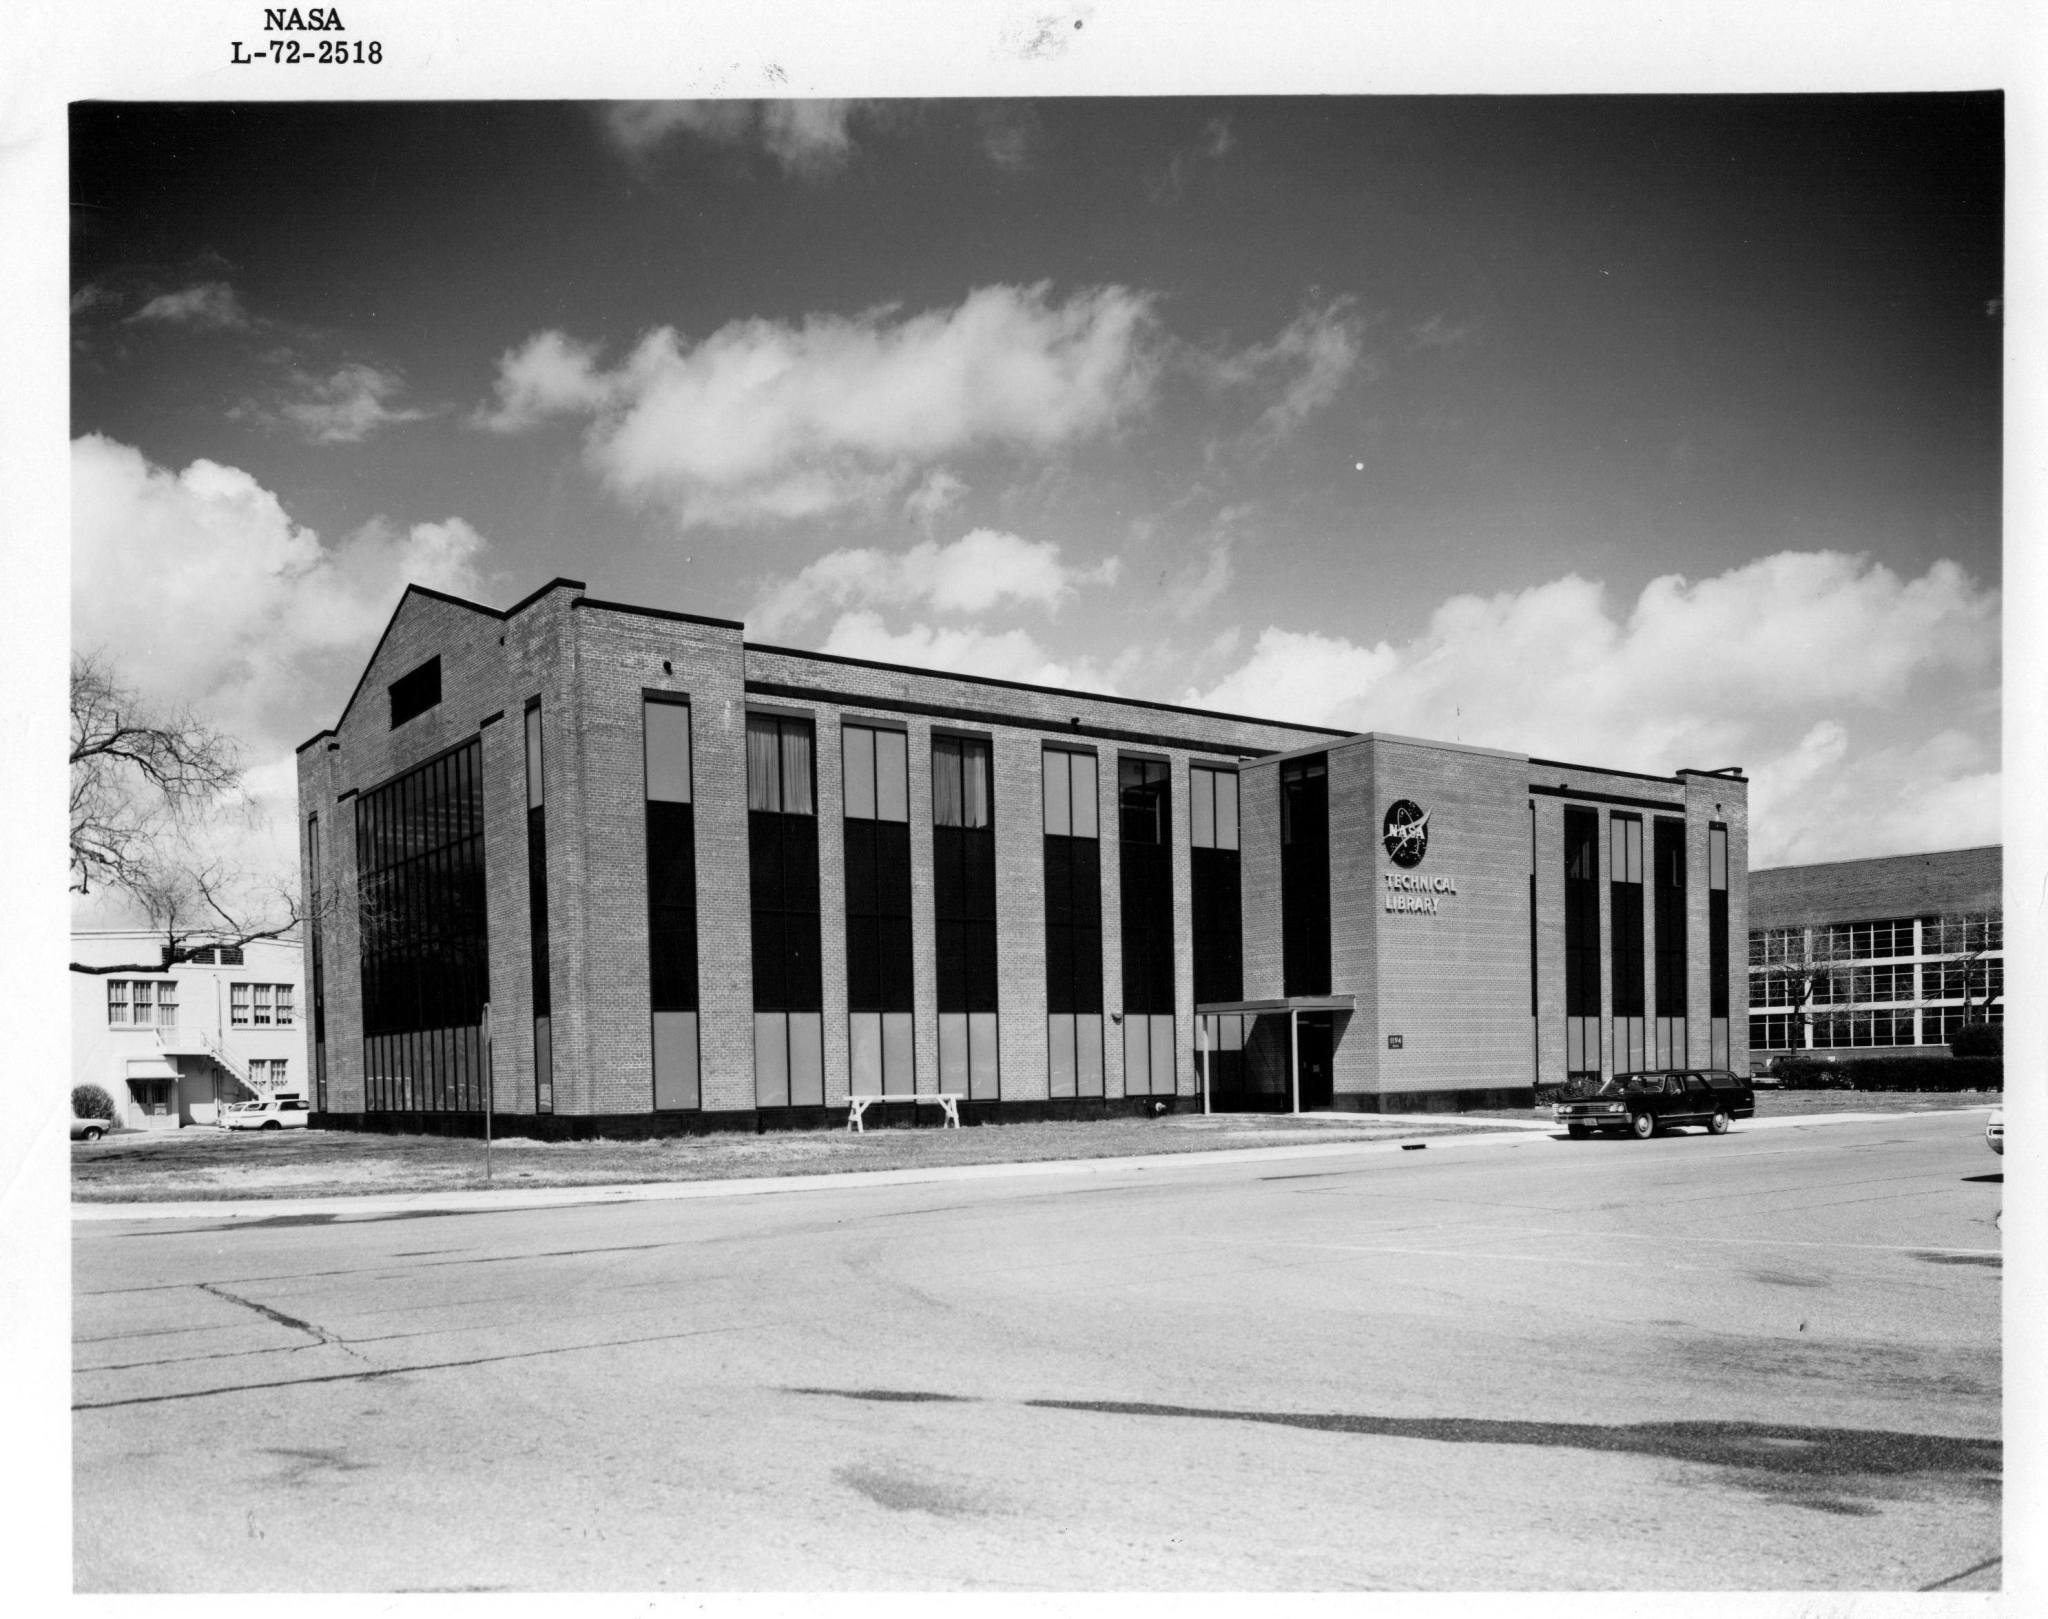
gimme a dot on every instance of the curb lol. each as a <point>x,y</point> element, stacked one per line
<point>1511,1134</point>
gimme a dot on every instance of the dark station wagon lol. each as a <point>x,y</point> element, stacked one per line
<point>1642,1104</point>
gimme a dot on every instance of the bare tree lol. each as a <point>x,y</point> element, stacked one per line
<point>1815,973</point>
<point>153,791</point>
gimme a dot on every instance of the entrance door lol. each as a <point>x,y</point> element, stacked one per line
<point>1316,1044</point>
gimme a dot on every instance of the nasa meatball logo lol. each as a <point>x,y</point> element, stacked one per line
<point>1405,832</point>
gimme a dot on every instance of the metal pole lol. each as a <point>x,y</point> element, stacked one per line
<point>490,1092</point>
<point>1294,1053</point>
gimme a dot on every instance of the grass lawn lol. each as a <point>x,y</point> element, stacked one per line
<point>206,1164</point>
<point>203,1164</point>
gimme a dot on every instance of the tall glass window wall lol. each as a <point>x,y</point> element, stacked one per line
<point>782,846</point>
<point>1073,925</point>
<point>537,913</point>
<point>1625,914</point>
<point>1669,864</point>
<point>878,948</point>
<point>1145,884</point>
<point>1305,875</point>
<point>314,882</point>
<point>1717,944</point>
<point>425,977</point>
<point>964,916</point>
<point>1582,943</point>
<point>671,899</point>
<point>1216,878</point>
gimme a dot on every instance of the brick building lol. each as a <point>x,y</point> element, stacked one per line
<point>1893,954</point>
<point>699,882</point>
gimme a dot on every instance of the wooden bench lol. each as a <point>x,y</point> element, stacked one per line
<point>949,1100</point>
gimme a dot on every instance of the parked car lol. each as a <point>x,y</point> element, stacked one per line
<point>88,1129</point>
<point>273,1113</point>
<point>1994,1131</point>
<point>1644,1103</point>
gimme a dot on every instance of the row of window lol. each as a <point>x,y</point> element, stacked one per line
<point>1975,980</point>
<point>1868,941</point>
<point>1930,1026</point>
<point>153,1002</point>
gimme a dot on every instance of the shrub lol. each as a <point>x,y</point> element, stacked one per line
<point>91,1102</point>
<point>1807,1074</point>
<point>1979,1040</point>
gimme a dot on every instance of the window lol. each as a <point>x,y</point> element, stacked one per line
<point>1145,883</point>
<point>142,1003</point>
<point>216,955</point>
<point>1625,911</point>
<point>1717,944</point>
<point>1073,925</point>
<point>285,998</point>
<point>878,948</point>
<point>425,948</point>
<point>782,845</point>
<point>319,966</point>
<point>1305,876</point>
<point>1581,942</point>
<point>1668,873</point>
<point>1774,1032</point>
<point>238,1005</point>
<point>262,1005</point>
<point>1216,878</point>
<point>537,932</point>
<point>964,916</point>
<point>413,694</point>
<point>671,900</point>
<point>1960,935</point>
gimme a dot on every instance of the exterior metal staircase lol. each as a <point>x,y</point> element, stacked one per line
<point>199,1042</point>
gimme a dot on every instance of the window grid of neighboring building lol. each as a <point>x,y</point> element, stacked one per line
<point>1073,925</point>
<point>669,785</point>
<point>142,1003</point>
<point>879,975</point>
<point>260,1006</point>
<point>1916,965</point>
<point>964,917</point>
<point>786,913</point>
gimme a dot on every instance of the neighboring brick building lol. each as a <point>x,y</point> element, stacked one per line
<point>1894,953</point>
<point>698,882</point>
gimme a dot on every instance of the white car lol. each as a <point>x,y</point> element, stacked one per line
<point>275,1113</point>
<point>1994,1131</point>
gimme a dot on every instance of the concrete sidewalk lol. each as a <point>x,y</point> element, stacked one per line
<point>1501,1133</point>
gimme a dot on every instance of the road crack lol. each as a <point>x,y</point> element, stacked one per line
<point>319,1333</point>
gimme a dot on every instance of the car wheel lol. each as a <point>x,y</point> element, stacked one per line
<point>1718,1124</point>
<point>1578,1132</point>
<point>1642,1125</point>
<point>272,1124</point>
<point>92,1135</point>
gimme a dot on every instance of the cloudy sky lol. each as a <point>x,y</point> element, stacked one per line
<point>1642,432</point>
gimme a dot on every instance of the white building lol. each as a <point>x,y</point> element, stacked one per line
<point>172,1045</point>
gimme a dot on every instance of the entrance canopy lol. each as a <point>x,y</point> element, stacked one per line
<point>1289,1006</point>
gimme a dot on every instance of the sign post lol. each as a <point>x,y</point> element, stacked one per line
<point>490,1092</point>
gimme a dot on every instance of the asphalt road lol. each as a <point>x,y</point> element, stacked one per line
<point>1766,1361</point>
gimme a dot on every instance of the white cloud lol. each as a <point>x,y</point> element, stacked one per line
<point>345,406</point>
<point>1200,584</point>
<point>1314,355</point>
<point>1214,143</point>
<point>200,588</point>
<point>1832,680</point>
<point>998,655</point>
<point>208,305</point>
<point>765,419</point>
<point>938,494</point>
<point>981,570</point>
<point>810,138</point>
